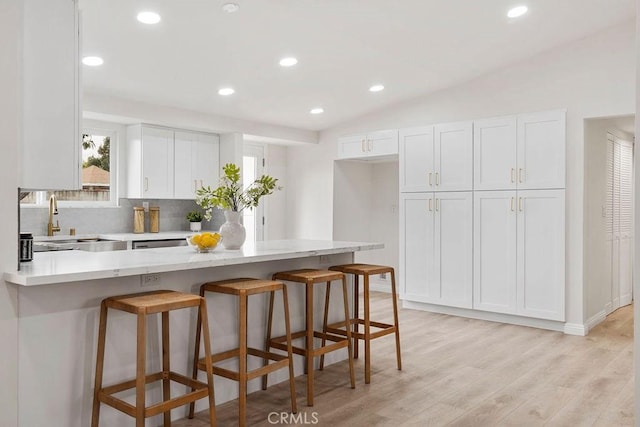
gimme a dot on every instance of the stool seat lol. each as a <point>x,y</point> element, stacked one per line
<point>243,286</point>
<point>307,275</point>
<point>361,269</point>
<point>152,302</point>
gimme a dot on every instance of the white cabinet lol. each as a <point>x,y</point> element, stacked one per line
<point>51,95</point>
<point>150,159</point>
<point>196,162</point>
<point>519,252</point>
<point>524,152</point>
<point>437,158</point>
<point>373,144</point>
<point>436,248</point>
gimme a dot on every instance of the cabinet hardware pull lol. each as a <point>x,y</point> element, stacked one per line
<point>520,204</point>
<point>437,178</point>
<point>369,145</point>
<point>430,208</point>
<point>437,205</point>
<point>520,175</point>
<point>146,184</point>
<point>430,184</point>
<point>513,175</point>
<point>513,199</point>
<point>362,145</point>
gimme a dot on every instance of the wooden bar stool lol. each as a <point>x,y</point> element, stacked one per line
<point>366,270</point>
<point>242,288</point>
<point>309,278</point>
<point>143,304</point>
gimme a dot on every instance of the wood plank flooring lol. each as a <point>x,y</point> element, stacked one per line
<point>466,372</point>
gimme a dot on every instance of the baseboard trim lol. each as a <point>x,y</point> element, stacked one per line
<point>575,329</point>
<point>596,319</point>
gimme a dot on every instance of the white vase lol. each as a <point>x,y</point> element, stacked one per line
<point>195,226</point>
<point>232,232</point>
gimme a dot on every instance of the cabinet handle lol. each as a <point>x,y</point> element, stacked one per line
<point>513,175</point>
<point>362,145</point>
<point>430,184</point>
<point>437,178</point>
<point>369,145</point>
<point>520,175</point>
<point>520,204</point>
<point>430,208</point>
<point>437,205</point>
<point>513,199</point>
<point>146,184</point>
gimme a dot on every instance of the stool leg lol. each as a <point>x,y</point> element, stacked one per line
<point>242,368</point>
<point>349,343</point>
<point>356,313</point>
<point>141,356</point>
<point>367,332</point>
<point>327,297</point>
<point>309,353</point>
<point>102,333</point>
<point>395,319</point>
<point>202,314</point>
<point>166,382</point>
<point>196,354</point>
<point>267,344</point>
<point>287,326</point>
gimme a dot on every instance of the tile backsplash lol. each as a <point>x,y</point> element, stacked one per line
<point>117,219</point>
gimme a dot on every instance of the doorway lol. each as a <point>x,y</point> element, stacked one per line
<point>252,169</point>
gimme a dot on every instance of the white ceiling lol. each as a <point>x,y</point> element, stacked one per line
<point>413,47</point>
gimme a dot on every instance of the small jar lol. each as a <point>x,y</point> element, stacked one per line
<point>154,219</point>
<point>138,219</point>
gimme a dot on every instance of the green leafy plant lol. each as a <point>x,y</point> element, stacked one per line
<point>231,195</point>
<point>194,216</point>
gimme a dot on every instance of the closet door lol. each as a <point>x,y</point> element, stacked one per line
<point>623,218</point>
<point>453,157</point>
<point>416,160</point>
<point>494,149</point>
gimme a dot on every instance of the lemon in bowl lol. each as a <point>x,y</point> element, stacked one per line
<point>203,242</point>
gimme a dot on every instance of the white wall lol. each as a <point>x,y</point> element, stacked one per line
<point>578,77</point>
<point>10,107</point>
<point>597,255</point>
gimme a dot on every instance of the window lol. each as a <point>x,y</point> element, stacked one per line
<point>98,175</point>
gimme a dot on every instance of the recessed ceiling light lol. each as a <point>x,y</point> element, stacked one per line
<point>230,7</point>
<point>92,61</point>
<point>317,111</point>
<point>148,17</point>
<point>376,88</point>
<point>226,91</point>
<point>288,62</point>
<point>517,11</point>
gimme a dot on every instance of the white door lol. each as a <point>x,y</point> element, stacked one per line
<point>352,146</point>
<point>252,169</point>
<point>494,230</point>
<point>382,143</point>
<point>622,223</point>
<point>416,246</point>
<point>494,147</point>
<point>157,163</point>
<point>541,254</point>
<point>453,157</point>
<point>453,254</point>
<point>541,150</point>
<point>416,160</point>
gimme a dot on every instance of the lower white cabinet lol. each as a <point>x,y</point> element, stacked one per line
<point>436,248</point>
<point>519,252</point>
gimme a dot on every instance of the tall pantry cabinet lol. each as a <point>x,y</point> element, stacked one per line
<point>496,241</point>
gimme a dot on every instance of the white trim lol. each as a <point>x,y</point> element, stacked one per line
<point>594,320</point>
<point>575,329</point>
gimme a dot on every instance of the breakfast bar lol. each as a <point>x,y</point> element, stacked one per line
<point>59,294</point>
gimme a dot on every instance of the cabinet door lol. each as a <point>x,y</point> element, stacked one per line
<point>51,104</point>
<point>541,254</point>
<point>416,246</point>
<point>494,245</point>
<point>207,167</point>
<point>453,254</point>
<point>185,155</point>
<point>541,150</point>
<point>453,157</point>
<point>382,143</point>
<point>494,148</point>
<point>416,159</point>
<point>157,163</point>
<point>350,147</point>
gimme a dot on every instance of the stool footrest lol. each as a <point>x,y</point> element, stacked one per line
<point>280,360</point>
<point>339,342</point>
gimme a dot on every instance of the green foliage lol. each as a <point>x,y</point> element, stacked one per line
<point>104,151</point>
<point>230,194</point>
<point>194,216</point>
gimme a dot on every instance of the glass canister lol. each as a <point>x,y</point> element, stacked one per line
<point>138,219</point>
<point>154,219</point>
<point>26,247</point>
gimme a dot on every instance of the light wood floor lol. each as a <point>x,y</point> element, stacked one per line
<point>465,372</point>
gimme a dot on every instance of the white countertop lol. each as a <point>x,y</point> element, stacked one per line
<point>70,266</point>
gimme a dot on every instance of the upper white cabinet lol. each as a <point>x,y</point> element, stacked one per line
<point>373,144</point>
<point>437,158</point>
<point>523,152</point>
<point>170,164</point>
<point>436,247</point>
<point>196,162</point>
<point>51,96</point>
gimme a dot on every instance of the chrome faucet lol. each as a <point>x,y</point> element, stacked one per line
<point>53,210</point>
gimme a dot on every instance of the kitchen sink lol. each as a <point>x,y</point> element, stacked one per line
<point>89,245</point>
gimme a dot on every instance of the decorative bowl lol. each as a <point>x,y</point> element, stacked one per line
<point>203,242</point>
